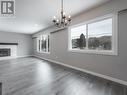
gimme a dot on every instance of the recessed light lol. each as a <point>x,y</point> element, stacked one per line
<point>35,25</point>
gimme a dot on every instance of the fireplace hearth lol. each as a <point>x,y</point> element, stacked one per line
<point>4,52</point>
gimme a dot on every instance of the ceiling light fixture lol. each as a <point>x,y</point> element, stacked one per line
<point>64,21</point>
<point>35,25</point>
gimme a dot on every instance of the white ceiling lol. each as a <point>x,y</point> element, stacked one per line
<point>34,15</point>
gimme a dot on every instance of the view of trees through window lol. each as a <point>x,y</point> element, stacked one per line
<point>93,36</point>
<point>43,43</point>
<point>78,37</point>
<point>79,42</point>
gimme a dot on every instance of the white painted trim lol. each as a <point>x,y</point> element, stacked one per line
<point>42,52</point>
<point>7,58</point>
<point>86,71</point>
<point>100,52</point>
<point>25,56</point>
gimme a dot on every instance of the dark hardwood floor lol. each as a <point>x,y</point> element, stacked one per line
<point>32,76</point>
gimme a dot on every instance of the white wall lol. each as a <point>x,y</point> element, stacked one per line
<point>25,42</point>
<point>113,66</point>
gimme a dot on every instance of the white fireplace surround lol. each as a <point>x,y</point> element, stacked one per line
<point>13,51</point>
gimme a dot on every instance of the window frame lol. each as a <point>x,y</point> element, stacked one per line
<point>39,46</point>
<point>114,50</point>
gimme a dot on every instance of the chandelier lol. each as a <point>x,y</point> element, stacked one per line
<point>63,21</point>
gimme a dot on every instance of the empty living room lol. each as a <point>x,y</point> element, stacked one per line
<point>63,47</point>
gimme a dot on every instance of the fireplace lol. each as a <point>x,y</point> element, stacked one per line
<point>8,50</point>
<point>5,52</point>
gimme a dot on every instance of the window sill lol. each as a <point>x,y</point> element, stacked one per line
<point>43,52</point>
<point>100,52</point>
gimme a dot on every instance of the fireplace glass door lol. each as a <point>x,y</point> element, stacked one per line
<point>4,52</point>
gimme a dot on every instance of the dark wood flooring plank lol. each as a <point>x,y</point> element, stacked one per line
<point>33,76</point>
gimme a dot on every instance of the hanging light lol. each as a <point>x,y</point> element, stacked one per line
<point>64,21</point>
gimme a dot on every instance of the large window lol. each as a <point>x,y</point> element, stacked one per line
<point>96,36</point>
<point>43,43</point>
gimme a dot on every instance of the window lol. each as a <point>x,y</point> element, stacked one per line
<point>100,35</point>
<point>43,43</point>
<point>97,36</point>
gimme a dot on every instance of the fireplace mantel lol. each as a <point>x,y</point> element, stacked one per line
<point>8,43</point>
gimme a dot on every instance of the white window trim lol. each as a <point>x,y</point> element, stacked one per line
<point>43,52</point>
<point>114,50</point>
<point>47,52</point>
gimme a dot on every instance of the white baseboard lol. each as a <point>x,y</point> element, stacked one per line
<point>7,58</point>
<point>86,71</point>
<point>25,56</point>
